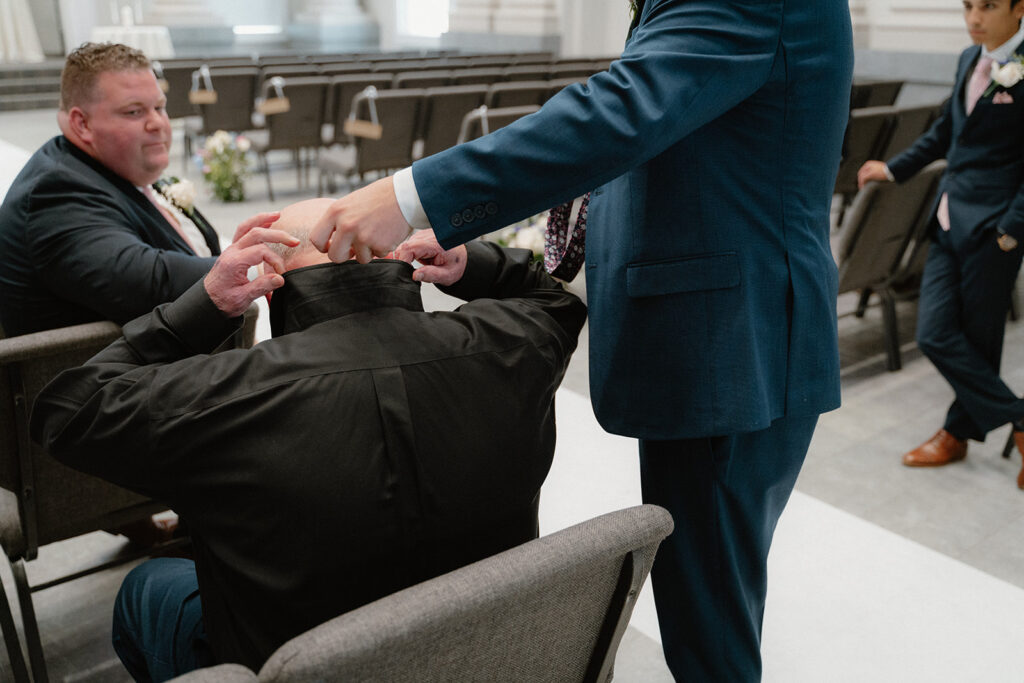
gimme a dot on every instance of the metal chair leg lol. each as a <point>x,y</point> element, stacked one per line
<point>14,653</point>
<point>28,620</point>
<point>891,331</point>
<point>1010,445</point>
<point>266,171</point>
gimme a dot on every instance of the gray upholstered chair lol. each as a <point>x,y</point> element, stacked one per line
<point>881,243</point>
<point>443,109</point>
<point>517,94</point>
<point>41,500</point>
<point>551,610</point>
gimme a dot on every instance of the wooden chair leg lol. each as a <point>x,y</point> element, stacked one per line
<point>891,331</point>
<point>14,654</point>
<point>28,620</point>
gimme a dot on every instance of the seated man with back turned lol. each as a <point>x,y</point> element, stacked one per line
<point>309,468</point>
<point>84,235</point>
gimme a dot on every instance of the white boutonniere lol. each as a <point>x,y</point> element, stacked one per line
<point>180,193</point>
<point>1006,74</point>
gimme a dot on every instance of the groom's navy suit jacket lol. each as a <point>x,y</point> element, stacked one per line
<point>79,243</point>
<point>985,154</point>
<point>713,144</point>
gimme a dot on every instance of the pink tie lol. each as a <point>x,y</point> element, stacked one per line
<point>980,79</point>
<point>563,249</point>
<point>148,191</point>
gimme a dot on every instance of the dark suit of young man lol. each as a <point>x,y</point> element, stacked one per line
<point>79,243</point>
<point>973,259</point>
<point>714,143</point>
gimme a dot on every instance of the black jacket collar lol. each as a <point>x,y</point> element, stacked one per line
<point>326,291</point>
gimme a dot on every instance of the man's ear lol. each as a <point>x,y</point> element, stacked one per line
<point>78,122</point>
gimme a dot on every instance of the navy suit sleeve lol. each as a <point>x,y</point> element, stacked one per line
<point>933,145</point>
<point>87,251</point>
<point>687,63</point>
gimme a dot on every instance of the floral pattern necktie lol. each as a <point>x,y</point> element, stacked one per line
<point>564,248</point>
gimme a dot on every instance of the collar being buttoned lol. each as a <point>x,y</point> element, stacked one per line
<point>315,294</point>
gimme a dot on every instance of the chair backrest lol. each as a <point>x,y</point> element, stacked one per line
<point>300,125</point>
<point>527,72</point>
<point>879,226</point>
<point>533,58</point>
<point>289,71</point>
<point>442,114</point>
<point>54,502</point>
<point>874,93</point>
<point>398,113</point>
<point>424,78</point>
<point>236,98</point>
<point>484,61</point>
<point>551,610</point>
<point>339,68</point>
<point>482,120</point>
<point>866,136</point>
<point>476,76</point>
<point>571,69</point>
<point>178,76</point>
<point>344,89</point>
<point>912,266</point>
<point>909,124</point>
<point>517,94</point>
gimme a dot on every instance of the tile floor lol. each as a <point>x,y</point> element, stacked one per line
<point>878,572</point>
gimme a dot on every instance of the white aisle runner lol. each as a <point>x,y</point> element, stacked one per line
<point>848,601</point>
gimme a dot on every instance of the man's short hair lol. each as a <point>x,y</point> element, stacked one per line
<point>85,64</point>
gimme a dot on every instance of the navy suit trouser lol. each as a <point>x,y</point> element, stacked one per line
<point>965,295</point>
<point>710,575</point>
<point>158,621</point>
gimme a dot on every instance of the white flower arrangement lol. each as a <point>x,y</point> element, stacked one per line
<point>1006,75</point>
<point>224,164</point>
<point>527,234</point>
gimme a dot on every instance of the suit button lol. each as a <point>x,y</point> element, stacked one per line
<point>456,220</point>
<point>491,208</point>
<point>467,216</point>
<point>479,211</point>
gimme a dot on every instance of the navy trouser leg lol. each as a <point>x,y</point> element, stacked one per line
<point>158,621</point>
<point>965,295</point>
<point>710,575</point>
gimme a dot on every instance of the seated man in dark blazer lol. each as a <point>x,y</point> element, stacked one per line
<point>309,468</point>
<point>84,233</point>
<point>977,228</point>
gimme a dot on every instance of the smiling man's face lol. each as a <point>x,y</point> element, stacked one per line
<point>992,22</point>
<point>126,125</point>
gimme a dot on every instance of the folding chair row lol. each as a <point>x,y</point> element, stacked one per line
<point>874,93</point>
<point>883,244</point>
<point>879,133</point>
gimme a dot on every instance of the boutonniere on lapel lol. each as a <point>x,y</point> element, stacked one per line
<point>181,194</point>
<point>1005,75</point>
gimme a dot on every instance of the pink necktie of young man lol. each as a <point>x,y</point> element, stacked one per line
<point>980,79</point>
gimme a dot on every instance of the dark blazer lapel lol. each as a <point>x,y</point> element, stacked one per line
<point>209,234</point>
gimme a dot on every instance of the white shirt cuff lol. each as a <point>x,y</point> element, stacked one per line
<point>888,174</point>
<point>409,199</point>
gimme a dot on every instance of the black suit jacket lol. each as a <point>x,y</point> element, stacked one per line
<point>367,447</point>
<point>985,153</point>
<point>79,243</point>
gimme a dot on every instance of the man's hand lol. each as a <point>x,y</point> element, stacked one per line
<point>228,284</point>
<point>439,266</point>
<point>364,224</point>
<point>871,170</point>
<point>260,220</point>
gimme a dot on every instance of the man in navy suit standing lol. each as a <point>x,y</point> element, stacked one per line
<point>978,224</point>
<point>713,144</point>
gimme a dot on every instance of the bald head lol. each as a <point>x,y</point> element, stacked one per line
<point>298,220</point>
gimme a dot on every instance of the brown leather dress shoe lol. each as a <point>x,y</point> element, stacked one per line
<point>1018,438</point>
<point>941,449</point>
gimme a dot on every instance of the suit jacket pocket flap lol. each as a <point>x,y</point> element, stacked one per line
<point>690,274</point>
